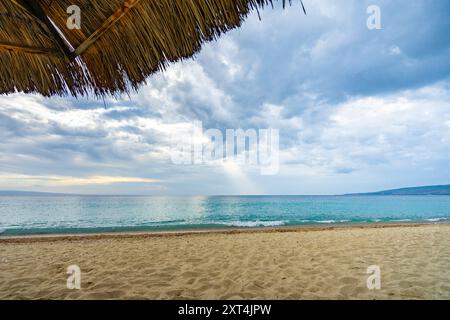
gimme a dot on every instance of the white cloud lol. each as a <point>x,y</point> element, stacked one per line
<point>185,91</point>
<point>406,128</point>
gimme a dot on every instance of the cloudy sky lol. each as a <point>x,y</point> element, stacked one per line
<point>357,109</point>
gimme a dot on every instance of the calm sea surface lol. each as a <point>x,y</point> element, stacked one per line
<point>84,214</point>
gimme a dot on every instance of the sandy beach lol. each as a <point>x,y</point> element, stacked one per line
<point>329,263</point>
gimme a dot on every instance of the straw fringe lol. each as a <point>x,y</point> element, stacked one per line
<point>151,35</point>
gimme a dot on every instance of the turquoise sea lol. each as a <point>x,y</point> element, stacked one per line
<point>85,214</point>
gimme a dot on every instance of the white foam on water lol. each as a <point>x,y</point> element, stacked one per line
<point>436,219</point>
<point>254,224</point>
<point>332,221</point>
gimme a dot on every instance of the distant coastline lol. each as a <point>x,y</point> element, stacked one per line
<point>439,190</point>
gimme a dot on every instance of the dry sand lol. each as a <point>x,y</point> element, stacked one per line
<point>297,264</point>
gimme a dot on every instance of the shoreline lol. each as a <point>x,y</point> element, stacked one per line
<point>30,238</point>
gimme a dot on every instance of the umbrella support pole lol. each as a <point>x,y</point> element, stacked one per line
<point>116,16</point>
<point>14,47</point>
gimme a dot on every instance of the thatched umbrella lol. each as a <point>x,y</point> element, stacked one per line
<point>120,43</point>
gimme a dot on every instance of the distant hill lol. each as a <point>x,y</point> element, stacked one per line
<point>427,190</point>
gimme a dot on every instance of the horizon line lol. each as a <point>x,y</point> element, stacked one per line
<point>44,193</point>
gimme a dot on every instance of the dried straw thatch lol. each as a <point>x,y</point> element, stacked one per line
<point>120,43</point>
